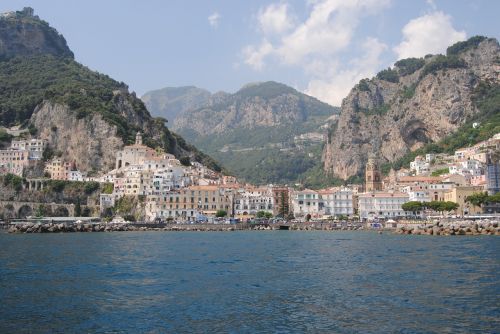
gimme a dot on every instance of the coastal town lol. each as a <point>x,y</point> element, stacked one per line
<point>178,190</point>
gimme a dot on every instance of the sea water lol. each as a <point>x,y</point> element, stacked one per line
<point>248,282</point>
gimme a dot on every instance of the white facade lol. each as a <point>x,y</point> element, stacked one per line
<point>382,205</point>
<point>337,202</point>
<point>305,203</point>
<point>250,201</point>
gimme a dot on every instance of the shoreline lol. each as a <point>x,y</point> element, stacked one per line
<point>440,228</point>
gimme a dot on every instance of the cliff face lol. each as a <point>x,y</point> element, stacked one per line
<point>90,141</point>
<point>418,102</point>
<point>85,115</point>
<point>256,105</point>
<point>264,133</point>
<point>23,34</point>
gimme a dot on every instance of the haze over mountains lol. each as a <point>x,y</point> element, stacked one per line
<point>264,133</point>
<point>256,132</point>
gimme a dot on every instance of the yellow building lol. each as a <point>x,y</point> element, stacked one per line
<point>459,194</point>
<point>188,203</point>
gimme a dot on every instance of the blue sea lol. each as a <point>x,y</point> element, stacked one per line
<point>248,282</point>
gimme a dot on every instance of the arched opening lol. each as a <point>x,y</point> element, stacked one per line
<point>61,212</point>
<point>25,211</point>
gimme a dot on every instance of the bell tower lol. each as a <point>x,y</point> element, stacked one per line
<point>138,138</point>
<point>373,177</point>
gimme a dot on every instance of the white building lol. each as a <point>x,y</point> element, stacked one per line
<point>337,202</point>
<point>382,205</point>
<point>307,202</point>
<point>249,201</point>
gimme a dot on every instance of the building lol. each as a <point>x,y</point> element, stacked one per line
<point>307,203</point>
<point>337,202</point>
<point>459,194</point>
<point>58,169</point>
<point>13,161</point>
<point>373,176</point>
<point>281,199</point>
<point>189,204</point>
<point>382,205</point>
<point>249,201</point>
<point>134,154</point>
<point>492,176</point>
<point>35,147</point>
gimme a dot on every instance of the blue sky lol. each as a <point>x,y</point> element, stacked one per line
<point>321,47</point>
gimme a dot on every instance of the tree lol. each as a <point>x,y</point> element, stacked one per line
<point>220,213</point>
<point>412,206</point>
<point>264,214</point>
<point>308,217</point>
<point>78,208</point>
<point>477,199</point>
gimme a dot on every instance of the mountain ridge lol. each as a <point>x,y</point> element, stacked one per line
<point>418,101</point>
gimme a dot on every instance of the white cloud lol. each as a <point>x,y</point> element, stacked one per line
<point>431,33</point>
<point>254,56</point>
<point>214,19</point>
<point>275,19</point>
<point>317,43</point>
<point>332,87</point>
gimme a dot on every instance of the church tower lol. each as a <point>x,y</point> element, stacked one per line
<point>138,138</point>
<point>373,177</point>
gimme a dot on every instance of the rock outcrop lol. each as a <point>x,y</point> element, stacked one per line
<point>265,104</point>
<point>418,102</point>
<point>23,34</point>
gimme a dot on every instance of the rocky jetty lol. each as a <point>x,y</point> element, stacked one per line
<point>30,227</point>
<point>463,227</point>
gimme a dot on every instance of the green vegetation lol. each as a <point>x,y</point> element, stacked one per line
<point>460,47</point>
<point>5,138</point>
<point>380,110</point>
<point>264,214</point>
<point>363,85</point>
<point>185,161</point>
<point>265,90</point>
<point>486,97</point>
<point>441,62</point>
<point>107,188</point>
<point>221,213</point>
<point>389,75</point>
<point>13,181</point>
<point>413,206</point>
<point>440,171</point>
<point>481,198</point>
<point>438,206</point>
<point>409,91</point>
<point>409,66</point>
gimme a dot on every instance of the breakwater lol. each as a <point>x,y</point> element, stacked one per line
<point>49,227</point>
<point>455,227</point>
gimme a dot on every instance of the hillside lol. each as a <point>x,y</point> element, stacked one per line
<point>414,104</point>
<point>264,133</point>
<point>43,88</point>
<point>170,101</point>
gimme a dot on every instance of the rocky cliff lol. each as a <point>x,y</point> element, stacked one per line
<point>264,133</point>
<point>265,104</point>
<point>418,101</point>
<point>23,34</point>
<point>85,116</point>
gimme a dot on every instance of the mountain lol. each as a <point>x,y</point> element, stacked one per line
<point>264,133</point>
<point>418,102</point>
<point>24,34</point>
<point>85,116</point>
<point>170,101</point>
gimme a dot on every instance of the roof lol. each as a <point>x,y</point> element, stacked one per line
<point>409,179</point>
<point>383,194</point>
